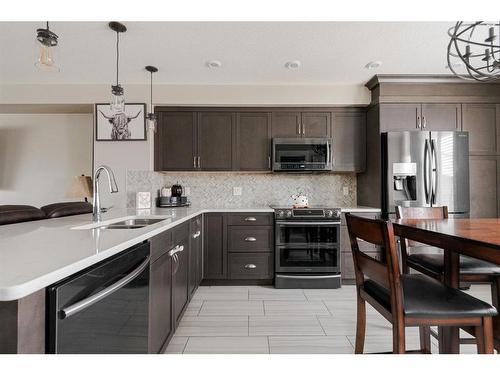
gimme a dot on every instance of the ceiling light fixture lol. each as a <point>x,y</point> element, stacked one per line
<point>293,65</point>
<point>47,41</point>
<point>151,116</point>
<point>374,64</point>
<point>477,47</point>
<point>117,103</point>
<point>213,64</point>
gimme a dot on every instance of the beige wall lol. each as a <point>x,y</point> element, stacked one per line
<point>40,153</point>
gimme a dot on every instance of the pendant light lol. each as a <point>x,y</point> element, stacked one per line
<point>151,116</point>
<point>117,103</point>
<point>46,43</point>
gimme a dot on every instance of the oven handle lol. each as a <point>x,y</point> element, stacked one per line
<point>329,223</point>
<point>89,301</point>
<point>308,277</point>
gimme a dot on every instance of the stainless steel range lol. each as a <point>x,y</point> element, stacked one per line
<point>307,247</point>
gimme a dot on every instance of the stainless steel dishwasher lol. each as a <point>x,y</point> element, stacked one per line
<point>103,309</point>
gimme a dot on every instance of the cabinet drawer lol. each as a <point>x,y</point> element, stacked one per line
<point>250,239</point>
<point>251,266</point>
<point>250,219</point>
<point>160,244</point>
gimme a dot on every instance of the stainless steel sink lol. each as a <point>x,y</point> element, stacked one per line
<point>132,224</point>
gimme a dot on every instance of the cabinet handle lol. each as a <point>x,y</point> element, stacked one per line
<point>299,130</point>
<point>176,250</point>
<point>199,162</point>
<point>303,129</point>
<point>250,239</point>
<point>194,162</point>
<point>250,218</point>
<point>269,162</point>
<point>197,234</point>
<point>250,266</point>
<point>424,122</point>
<point>418,122</point>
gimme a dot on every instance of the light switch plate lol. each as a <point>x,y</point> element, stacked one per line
<point>237,190</point>
<point>345,190</point>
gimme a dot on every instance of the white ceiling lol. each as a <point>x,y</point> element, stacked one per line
<point>250,52</point>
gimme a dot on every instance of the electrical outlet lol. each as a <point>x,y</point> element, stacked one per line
<point>237,190</point>
<point>345,190</point>
<point>187,190</point>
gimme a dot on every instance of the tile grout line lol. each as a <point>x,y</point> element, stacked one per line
<point>321,325</point>
<point>327,309</point>
<point>185,345</point>
<point>268,346</point>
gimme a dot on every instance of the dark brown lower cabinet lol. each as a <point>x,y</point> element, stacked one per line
<point>160,319</point>
<point>195,254</point>
<point>215,246</point>
<point>180,273</point>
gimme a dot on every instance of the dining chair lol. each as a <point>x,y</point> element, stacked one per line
<point>408,300</point>
<point>430,260</point>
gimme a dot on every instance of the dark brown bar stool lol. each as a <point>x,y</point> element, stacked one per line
<point>430,260</point>
<point>409,300</point>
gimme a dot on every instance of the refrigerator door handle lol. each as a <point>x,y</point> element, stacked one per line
<point>426,171</point>
<point>434,170</point>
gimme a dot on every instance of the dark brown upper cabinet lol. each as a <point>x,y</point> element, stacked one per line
<point>315,124</point>
<point>215,141</point>
<point>349,141</point>
<point>483,124</point>
<point>175,141</point>
<point>427,117</point>
<point>301,124</point>
<point>253,146</point>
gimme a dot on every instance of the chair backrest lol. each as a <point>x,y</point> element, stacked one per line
<point>384,272</point>
<point>421,212</point>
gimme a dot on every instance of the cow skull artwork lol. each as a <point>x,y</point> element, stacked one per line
<point>119,125</point>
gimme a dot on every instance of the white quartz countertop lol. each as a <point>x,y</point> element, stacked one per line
<point>36,254</point>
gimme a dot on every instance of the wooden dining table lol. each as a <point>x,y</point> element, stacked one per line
<point>478,238</point>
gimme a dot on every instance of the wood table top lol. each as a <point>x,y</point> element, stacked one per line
<point>485,231</point>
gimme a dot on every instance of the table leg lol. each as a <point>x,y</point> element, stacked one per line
<point>495,301</point>
<point>449,339</point>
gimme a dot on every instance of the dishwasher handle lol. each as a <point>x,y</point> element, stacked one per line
<point>89,301</point>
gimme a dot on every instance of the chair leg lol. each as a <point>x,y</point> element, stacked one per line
<point>398,338</point>
<point>360,326</point>
<point>425,339</point>
<point>484,336</point>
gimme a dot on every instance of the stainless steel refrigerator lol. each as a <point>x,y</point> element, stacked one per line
<point>426,169</point>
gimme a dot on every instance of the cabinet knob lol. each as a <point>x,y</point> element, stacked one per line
<point>250,218</point>
<point>250,266</point>
<point>250,239</point>
<point>197,234</point>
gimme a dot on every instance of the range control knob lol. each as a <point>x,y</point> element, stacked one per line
<point>288,213</point>
<point>329,213</point>
<point>280,213</point>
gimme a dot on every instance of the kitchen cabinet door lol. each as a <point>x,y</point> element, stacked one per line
<point>195,256</point>
<point>349,142</point>
<point>215,141</point>
<point>286,124</point>
<point>175,141</point>
<point>482,123</point>
<point>180,271</point>
<point>316,124</point>
<point>438,116</point>
<point>160,312</point>
<point>215,246</point>
<point>399,117</point>
<point>253,141</point>
<point>484,182</point>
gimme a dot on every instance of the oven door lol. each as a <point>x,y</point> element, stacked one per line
<point>307,259</point>
<point>300,233</point>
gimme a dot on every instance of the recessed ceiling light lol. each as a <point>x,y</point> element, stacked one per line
<point>213,64</point>
<point>373,64</point>
<point>295,64</point>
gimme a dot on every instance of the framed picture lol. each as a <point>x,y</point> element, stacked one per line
<point>127,126</point>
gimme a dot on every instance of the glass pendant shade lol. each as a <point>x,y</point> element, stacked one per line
<point>151,119</point>
<point>46,43</point>
<point>117,103</point>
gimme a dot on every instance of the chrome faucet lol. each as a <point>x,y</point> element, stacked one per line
<point>113,188</point>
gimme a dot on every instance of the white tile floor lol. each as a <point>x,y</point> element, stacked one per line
<point>257,320</point>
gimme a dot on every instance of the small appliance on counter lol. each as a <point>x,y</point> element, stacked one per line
<point>172,197</point>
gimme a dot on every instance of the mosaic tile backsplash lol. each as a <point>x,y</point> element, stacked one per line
<point>215,190</point>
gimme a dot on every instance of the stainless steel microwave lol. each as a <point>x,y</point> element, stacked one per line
<point>302,154</point>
